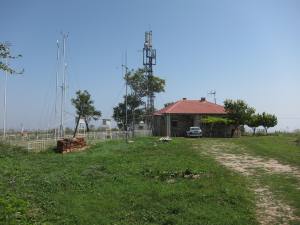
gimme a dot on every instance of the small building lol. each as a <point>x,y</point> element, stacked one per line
<point>175,119</point>
<point>81,127</point>
<point>106,123</point>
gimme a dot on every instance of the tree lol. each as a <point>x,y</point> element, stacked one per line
<point>238,112</point>
<point>142,85</point>
<point>84,109</point>
<point>155,85</point>
<point>254,122</point>
<point>134,112</point>
<point>212,120</point>
<point>5,54</point>
<point>134,103</point>
<point>119,115</point>
<point>267,121</point>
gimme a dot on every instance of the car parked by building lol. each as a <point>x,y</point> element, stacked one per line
<point>194,132</point>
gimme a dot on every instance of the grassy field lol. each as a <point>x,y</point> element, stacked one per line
<point>282,150</point>
<point>145,182</point>
<point>286,150</point>
<point>282,147</point>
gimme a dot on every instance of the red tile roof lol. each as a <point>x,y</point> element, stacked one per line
<point>192,107</point>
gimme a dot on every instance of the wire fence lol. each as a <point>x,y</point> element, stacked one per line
<point>44,142</point>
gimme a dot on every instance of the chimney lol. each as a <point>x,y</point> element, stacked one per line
<point>202,99</point>
<point>183,99</point>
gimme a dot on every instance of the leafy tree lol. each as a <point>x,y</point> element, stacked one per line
<point>84,109</point>
<point>119,115</point>
<point>137,82</point>
<point>134,112</point>
<point>155,85</point>
<point>253,122</point>
<point>267,121</point>
<point>142,85</point>
<point>238,112</point>
<point>5,54</point>
<point>212,121</point>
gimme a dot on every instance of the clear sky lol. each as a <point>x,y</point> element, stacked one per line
<point>246,50</point>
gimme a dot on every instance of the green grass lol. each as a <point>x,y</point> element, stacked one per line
<point>284,187</point>
<point>145,182</point>
<point>284,148</point>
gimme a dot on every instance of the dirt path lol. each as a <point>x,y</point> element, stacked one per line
<point>269,210</point>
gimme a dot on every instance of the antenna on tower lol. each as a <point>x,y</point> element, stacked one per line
<point>149,60</point>
<point>213,92</point>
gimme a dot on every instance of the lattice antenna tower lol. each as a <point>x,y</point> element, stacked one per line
<point>149,60</point>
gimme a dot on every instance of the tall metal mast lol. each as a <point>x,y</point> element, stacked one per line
<point>126,94</point>
<point>63,88</point>
<point>5,101</point>
<point>149,59</point>
<point>56,91</point>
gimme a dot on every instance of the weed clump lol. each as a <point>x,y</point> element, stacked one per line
<point>171,176</point>
<point>94,171</point>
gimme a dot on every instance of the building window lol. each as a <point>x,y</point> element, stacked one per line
<point>174,123</point>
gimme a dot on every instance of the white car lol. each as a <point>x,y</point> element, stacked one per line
<point>194,132</point>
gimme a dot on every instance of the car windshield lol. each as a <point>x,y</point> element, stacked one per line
<point>194,128</point>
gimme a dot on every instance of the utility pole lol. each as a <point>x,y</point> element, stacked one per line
<point>126,94</point>
<point>213,92</point>
<point>5,101</point>
<point>149,60</point>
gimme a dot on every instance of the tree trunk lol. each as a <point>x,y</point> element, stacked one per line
<point>76,127</point>
<point>233,130</point>
<point>87,125</point>
<point>254,130</point>
<point>266,129</point>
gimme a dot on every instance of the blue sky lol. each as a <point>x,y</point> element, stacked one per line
<point>246,50</point>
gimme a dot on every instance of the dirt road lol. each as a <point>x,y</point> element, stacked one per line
<point>269,209</point>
